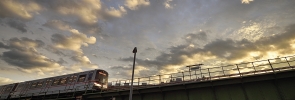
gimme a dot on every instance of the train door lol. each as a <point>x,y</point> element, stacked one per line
<point>64,83</point>
<point>20,87</point>
<point>89,81</point>
<point>32,89</point>
<point>80,84</point>
<point>47,84</point>
<point>23,92</point>
<point>1,89</point>
<point>39,87</point>
<point>71,82</point>
<point>6,92</point>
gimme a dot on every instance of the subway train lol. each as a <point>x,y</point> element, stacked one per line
<point>93,80</point>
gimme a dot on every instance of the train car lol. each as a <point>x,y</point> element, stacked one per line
<point>6,90</point>
<point>1,90</point>
<point>93,80</point>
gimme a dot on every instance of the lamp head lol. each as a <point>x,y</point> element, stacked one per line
<point>134,50</point>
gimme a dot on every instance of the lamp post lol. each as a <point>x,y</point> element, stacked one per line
<point>131,87</point>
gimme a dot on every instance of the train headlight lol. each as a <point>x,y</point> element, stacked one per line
<point>96,84</point>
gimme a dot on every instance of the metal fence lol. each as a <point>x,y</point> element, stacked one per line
<point>208,74</point>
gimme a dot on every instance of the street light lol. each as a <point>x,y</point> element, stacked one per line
<point>131,87</point>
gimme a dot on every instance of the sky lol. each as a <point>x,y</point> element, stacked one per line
<point>46,38</point>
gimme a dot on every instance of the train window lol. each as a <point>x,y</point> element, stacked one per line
<point>101,77</point>
<point>48,81</point>
<point>81,78</point>
<point>90,76</point>
<point>28,84</point>
<point>40,84</point>
<point>75,78</point>
<point>63,81</point>
<point>20,87</point>
<point>7,89</point>
<point>34,85</point>
<point>70,79</point>
<point>103,80</point>
<point>56,82</point>
<point>1,89</point>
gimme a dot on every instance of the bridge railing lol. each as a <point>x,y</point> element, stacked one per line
<point>208,74</point>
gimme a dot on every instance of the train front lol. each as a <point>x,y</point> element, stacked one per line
<point>101,79</point>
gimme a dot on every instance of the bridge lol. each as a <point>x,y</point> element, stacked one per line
<point>272,79</point>
<point>267,86</point>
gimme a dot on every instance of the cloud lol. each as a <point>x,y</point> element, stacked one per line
<point>17,25</point>
<point>84,15</point>
<point>2,45</point>
<point>61,61</point>
<point>246,1</point>
<point>167,4</point>
<point>23,54</point>
<point>57,24</point>
<point>18,9</point>
<point>73,42</point>
<point>192,37</point>
<point>65,26</point>
<point>55,50</point>
<point>149,24</point>
<point>25,43</point>
<point>87,11</point>
<point>4,81</point>
<point>41,29</point>
<point>253,31</point>
<point>135,4</point>
<point>113,12</point>
<point>94,55</point>
<point>126,71</point>
<point>149,52</point>
<point>84,61</point>
<point>233,51</point>
<point>94,29</point>
<point>75,68</point>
